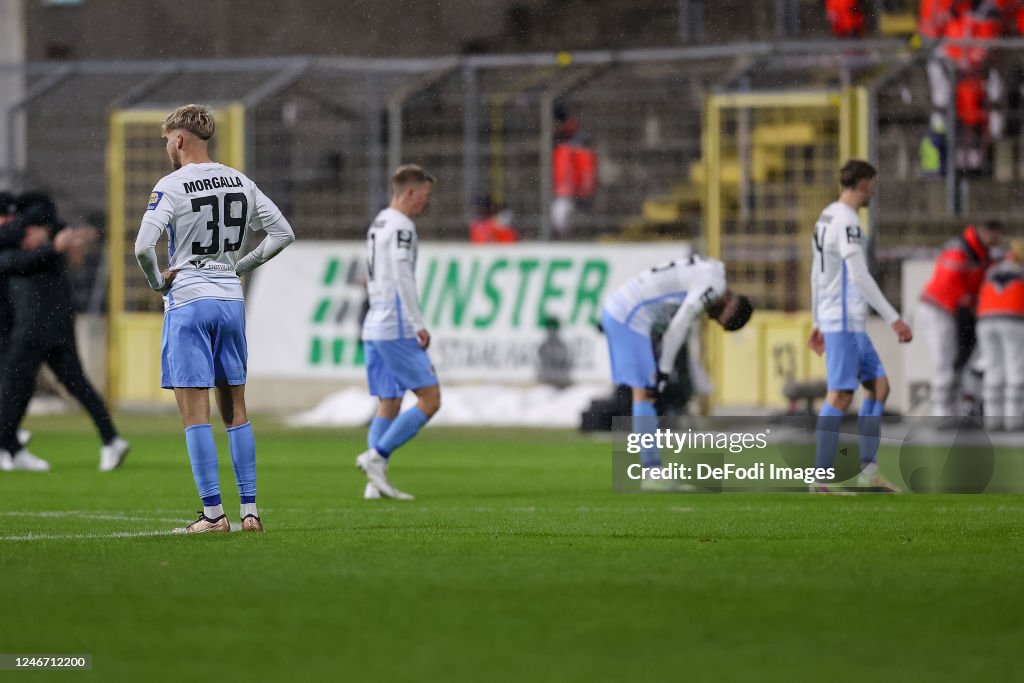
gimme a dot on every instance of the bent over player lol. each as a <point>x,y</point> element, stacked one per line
<point>395,336</point>
<point>678,291</point>
<point>205,208</point>
<point>842,289</point>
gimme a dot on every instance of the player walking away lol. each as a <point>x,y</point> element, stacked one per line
<point>205,208</point>
<point>677,291</point>
<point>841,291</point>
<point>394,334</point>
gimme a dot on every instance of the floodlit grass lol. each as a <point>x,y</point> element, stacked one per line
<point>515,563</point>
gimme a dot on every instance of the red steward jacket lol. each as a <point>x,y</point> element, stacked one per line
<point>934,16</point>
<point>1002,294</point>
<point>959,272</point>
<point>975,25</point>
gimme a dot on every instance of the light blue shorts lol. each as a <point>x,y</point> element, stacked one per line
<point>394,366</point>
<point>850,359</point>
<point>631,353</point>
<point>204,345</point>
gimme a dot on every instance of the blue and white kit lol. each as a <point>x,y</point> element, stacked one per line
<point>205,209</point>
<point>678,292</point>
<point>842,289</point>
<point>395,362</point>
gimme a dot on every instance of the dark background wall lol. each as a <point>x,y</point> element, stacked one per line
<point>155,29</point>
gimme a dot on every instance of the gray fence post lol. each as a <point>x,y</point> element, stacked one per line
<point>470,140</point>
<point>374,148</point>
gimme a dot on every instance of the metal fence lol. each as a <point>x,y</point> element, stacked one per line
<point>321,134</point>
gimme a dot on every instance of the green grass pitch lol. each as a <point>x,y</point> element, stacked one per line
<point>515,563</point>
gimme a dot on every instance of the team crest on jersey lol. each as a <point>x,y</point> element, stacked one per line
<point>154,199</point>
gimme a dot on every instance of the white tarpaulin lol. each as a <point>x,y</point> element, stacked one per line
<point>476,406</point>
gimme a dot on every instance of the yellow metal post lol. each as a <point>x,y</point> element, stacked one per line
<point>115,253</point>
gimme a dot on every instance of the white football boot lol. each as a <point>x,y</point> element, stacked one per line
<point>870,477</point>
<point>25,461</point>
<point>376,469</point>
<point>665,486</point>
<point>113,454</point>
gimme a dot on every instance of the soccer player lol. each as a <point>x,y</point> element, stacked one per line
<point>394,334</point>
<point>678,291</point>
<point>205,208</point>
<point>842,289</point>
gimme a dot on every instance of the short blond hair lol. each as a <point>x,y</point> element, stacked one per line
<point>195,118</point>
<point>409,174</point>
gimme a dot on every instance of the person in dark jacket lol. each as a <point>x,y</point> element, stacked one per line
<point>43,332</point>
<point>10,238</point>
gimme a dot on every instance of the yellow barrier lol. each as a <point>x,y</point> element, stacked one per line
<point>751,366</point>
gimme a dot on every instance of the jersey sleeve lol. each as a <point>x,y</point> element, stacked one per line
<point>403,256</point>
<point>160,209</point>
<point>145,254</point>
<point>159,214</point>
<point>852,251</point>
<point>265,213</point>
<point>404,248</point>
<point>848,235</point>
<point>698,299</point>
<point>814,292</point>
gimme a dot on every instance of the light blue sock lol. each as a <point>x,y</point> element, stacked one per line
<point>869,424</point>
<point>243,459</point>
<point>645,421</point>
<point>378,426</point>
<point>827,435</point>
<point>202,451</point>
<point>404,427</point>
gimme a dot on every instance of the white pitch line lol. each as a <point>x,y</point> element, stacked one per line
<point>76,537</point>
<point>79,537</point>
<point>85,514</point>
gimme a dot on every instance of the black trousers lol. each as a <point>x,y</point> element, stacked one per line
<point>23,360</point>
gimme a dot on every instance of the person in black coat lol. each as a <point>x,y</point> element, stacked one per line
<point>43,332</point>
<point>8,240</point>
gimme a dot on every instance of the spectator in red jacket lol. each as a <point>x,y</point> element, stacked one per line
<point>979,92</point>
<point>846,18</point>
<point>492,224</point>
<point>573,171</point>
<point>946,314</point>
<point>934,14</point>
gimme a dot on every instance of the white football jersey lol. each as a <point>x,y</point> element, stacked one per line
<point>657,294</point>
<point>391,247</point>
<point>839,306</point>
<point>205,209</point>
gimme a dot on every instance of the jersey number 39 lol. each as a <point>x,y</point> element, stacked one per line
<point>214,224</point>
